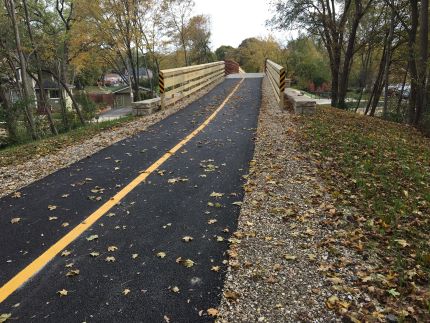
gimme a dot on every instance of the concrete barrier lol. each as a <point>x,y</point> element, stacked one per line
<point>146,107</point>
<point>301,103</point>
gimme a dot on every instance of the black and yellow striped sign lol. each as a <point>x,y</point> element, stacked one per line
<point>161,82</point>
<point>282,80</point>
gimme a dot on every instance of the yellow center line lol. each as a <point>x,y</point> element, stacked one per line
<point>24,275</point>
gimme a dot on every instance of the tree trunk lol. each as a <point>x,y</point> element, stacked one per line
<point>29,101</point>
<point>43,100</point>
<point>412,34</point>
<point>348,59</point>
<point>388,62</point>
<point>422,62</point>
<point>10,114</point>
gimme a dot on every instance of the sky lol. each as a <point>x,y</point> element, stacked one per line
<point>235,20</point>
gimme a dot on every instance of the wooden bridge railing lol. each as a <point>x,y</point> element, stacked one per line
<point>277,77</point>
<point>178,83</point>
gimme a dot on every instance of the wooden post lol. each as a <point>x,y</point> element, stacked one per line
<point>161,86</point>
<point>282,83</point>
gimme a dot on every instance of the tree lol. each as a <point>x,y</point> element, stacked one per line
<point>226,52</point>
<point>199,40</point>
<point>336,24</point>
<point>179,16</point>
<point>25,81</point>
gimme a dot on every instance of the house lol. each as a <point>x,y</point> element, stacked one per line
<point>123,98</point>
<point>143,73</point>
<point>112,79</point>
<point>53,94</point>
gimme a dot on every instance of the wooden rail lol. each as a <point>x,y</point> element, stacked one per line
<point>276,76</point>
<point>178,83</point>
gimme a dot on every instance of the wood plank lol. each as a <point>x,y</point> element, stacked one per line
<point>182,78</point>
<point>187,85</point>
<point>182,70</point>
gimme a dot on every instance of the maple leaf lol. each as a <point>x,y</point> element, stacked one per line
<point>393,292</point>
<point>63,292</point>
<point>215,268</point>
<point>4,317</point>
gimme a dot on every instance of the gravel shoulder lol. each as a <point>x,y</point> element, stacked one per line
<point>15,176</point>
<point>280,269</point>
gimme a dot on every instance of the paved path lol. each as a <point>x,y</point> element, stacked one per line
<point>115,114</point>
<point>173,202</point>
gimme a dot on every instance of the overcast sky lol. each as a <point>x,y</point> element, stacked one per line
<point>235,20</point>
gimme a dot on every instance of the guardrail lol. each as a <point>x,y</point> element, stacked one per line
<point>178,83</point>
<point>277,77</point>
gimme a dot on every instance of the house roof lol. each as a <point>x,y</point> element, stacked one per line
<point>126,89</point>
<point>49,84</point>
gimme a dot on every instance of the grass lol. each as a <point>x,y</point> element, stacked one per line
<point>20,153</point>
<point>382,170</point>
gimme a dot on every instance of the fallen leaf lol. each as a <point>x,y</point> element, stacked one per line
<point>134,256</point>
<point>290,257</point>
<point>73,272</point>
<point>112,248</point>
<point>110,259</point>
<point>402,242</point>
<point>92,237</point>
<point>175,289</point>
<point>216,195</point>
<point>219,239</point>
<point>215,268</point>
<point>63,292</point>
<point>161,254</point>
<point>4,317</point>
<point>51,218</point>
<point>187,239</point>
<point>212,221</point>
<point>393,292</point>
<point>52,207</point>
<point>65,253</point>
<point>212,312</point>
<point>231,295</point>
<point>15,220</point>
<point>95,254</point>
<point>125,291</point>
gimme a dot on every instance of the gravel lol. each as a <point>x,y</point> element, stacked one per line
<point>275,256</point>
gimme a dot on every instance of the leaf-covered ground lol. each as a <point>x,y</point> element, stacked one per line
<point>378,173</point>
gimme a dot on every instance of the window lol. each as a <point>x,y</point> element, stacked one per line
<point>54,94</point>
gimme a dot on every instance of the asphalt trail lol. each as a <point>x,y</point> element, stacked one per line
<point>151,219</point>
